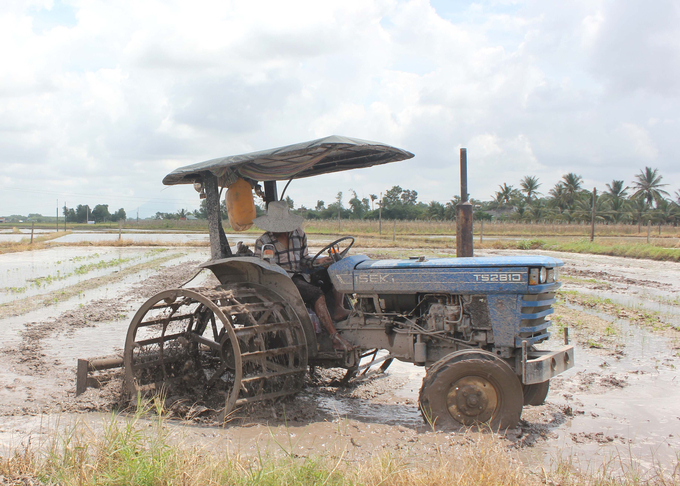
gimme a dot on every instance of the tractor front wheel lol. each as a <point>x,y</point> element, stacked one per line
<point>467,391</point>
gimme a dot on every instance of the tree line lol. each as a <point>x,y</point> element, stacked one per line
<point>99,214</point>
<point>645,200</point>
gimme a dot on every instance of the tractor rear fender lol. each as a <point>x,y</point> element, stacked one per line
<point>255,270</point>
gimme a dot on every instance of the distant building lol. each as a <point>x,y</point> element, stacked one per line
<point>2,220</point>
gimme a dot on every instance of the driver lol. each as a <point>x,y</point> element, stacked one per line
<point>284,232</point>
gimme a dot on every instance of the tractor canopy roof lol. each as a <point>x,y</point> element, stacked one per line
<point>306,159</point>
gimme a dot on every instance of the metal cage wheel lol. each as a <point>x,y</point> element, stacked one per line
<point>238,344</point>
<point>166,349</point>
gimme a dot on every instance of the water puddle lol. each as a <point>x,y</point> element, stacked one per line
<point>623,405</point>
<point>400,388</point>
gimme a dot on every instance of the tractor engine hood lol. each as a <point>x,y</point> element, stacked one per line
<point>478,275</point>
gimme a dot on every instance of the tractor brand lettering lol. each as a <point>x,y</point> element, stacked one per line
<point>498,277</point>
<point>374,278</point>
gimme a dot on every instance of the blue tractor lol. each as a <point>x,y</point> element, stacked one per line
<point>475,323</point>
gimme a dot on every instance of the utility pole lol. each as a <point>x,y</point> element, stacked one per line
<point>464,246</point>
<point>57,215</point>
<point>592,216</point>
<point>380,212</point>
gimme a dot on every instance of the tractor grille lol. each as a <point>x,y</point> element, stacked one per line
<point>534,325</point>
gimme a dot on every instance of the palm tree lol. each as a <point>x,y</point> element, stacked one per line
<point>648,185</point>
<point>505,195</point>
<point>619,209</point>
<point>558,196</point>
<point>639,210</point>
<point>666,212</point>
<point>436,211</point>
<point>520,213</point>
<point>539,211</point>
<point>572,185</point>
<point>615,190</point>
<point>529,186</point>
<point>583,208</point>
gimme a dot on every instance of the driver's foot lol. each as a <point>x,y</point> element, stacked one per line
<point>339,344</point>
<point>340,314</point>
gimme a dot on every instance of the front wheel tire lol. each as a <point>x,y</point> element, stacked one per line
<point>471,391</point>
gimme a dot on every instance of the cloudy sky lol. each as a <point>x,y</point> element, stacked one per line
<point>100,99</point>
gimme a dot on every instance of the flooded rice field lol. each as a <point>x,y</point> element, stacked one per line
<point>42,271</point>
<point>622,398</point>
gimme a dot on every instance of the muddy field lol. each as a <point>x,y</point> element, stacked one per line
<point>620,402</point>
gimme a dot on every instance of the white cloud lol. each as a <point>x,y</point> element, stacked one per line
<point>109,103</point>
<point>638,141</point>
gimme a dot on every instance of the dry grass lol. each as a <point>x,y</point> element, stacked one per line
<point>45,242</point>
<point>149,243</point>
<point>401,227</point>
<point>39,243</point>
<point>139,450</point>
<point>498,228</point>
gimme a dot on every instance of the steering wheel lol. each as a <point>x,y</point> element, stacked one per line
<point>338,255</point>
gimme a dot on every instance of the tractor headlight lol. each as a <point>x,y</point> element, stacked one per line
<point>533,276</point>
<point>552,275</point>
<point>540,276</point>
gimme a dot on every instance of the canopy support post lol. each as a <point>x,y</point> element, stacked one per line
<point>219,245</point>
<point>270,192</point>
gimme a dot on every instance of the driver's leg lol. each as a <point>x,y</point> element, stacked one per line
<point>313,297</point>
<point>321,279</point>
<point>321,310</point>
<point>339,311</point>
